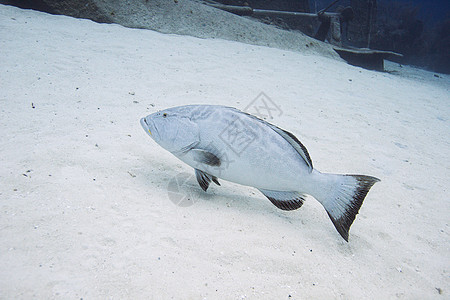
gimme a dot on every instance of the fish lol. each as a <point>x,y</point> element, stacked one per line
<point>222,142</point>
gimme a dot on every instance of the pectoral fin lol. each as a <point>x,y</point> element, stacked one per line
<point>284,200</point>
<point>204,179</point>
<point>205,157</point>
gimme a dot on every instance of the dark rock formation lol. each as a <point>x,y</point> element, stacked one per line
<point>78,9</point>
<point>180,17</point>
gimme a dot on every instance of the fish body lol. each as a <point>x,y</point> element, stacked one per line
<point>223,142</point>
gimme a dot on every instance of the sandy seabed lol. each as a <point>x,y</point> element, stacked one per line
<point>85,210</point>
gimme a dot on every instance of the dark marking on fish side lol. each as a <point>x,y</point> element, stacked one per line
<point>206,157</point>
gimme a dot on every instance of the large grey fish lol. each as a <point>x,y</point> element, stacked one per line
<point>223,142</point>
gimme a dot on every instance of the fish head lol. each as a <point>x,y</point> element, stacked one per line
<point>172,130</point>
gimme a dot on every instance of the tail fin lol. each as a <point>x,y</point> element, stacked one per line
<point>345,199</point>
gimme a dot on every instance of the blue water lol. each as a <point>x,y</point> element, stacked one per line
<point>432,11</point>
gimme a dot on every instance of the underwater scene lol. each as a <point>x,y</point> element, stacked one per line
<point>224,149</point>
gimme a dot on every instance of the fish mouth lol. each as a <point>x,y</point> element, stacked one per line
<point>144,125</point>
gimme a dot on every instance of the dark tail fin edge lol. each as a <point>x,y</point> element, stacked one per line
<point>343,223</point>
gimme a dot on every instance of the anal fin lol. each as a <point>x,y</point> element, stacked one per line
<point>284,200</point>
<point>204,179</point>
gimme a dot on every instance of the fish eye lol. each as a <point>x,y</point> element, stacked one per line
<point>164,115</point>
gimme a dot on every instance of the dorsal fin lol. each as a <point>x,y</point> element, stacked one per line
<point>289,137</point>
<point>298,146</point>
